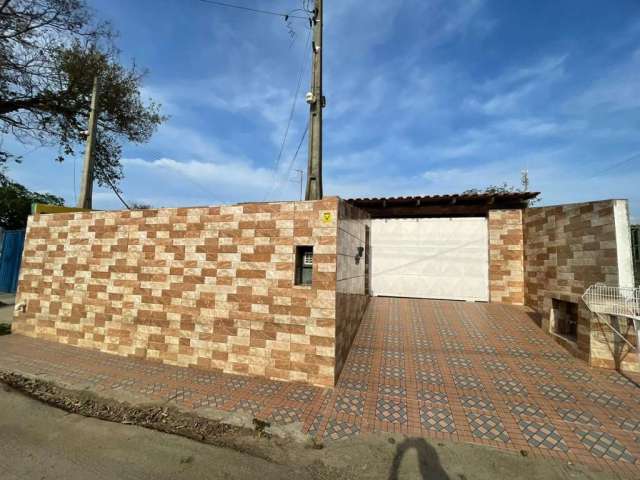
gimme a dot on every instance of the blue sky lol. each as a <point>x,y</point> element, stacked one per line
<point>424,97</point>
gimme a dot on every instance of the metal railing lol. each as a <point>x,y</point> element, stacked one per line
<point>604,301</point>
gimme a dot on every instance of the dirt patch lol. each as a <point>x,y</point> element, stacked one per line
<point>163,418</point>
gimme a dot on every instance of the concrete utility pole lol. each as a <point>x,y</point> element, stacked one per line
<point>86,187</point>
<point>317,102</point>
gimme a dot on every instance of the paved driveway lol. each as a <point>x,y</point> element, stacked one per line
<point>478,373</point>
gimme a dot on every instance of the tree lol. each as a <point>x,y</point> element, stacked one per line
<point>492,189</point>
<point>50,52</point>
<point>140,206</point>
<point>15,203</point>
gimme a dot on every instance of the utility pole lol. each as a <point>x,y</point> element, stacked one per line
<point>317,102</point>
<point>86,187</point>
<point>301,173</point>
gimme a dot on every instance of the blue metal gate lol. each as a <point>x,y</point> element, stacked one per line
<point>10,258</point>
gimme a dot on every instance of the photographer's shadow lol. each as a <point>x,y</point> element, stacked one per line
<point>428,461</point>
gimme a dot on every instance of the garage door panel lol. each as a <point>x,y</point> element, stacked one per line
<point>430,258</point>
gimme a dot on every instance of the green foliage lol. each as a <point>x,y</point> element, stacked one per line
<point>15,203</point>
<point>50,52</point>
<point>492,189</point>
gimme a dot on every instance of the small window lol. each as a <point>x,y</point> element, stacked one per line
<point>304,265</point>
<point>565,319</point>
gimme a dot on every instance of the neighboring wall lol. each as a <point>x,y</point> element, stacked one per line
<point>211,287</point>
<point>567,249</point>
<point>506,257</point>
<point>351,294</point>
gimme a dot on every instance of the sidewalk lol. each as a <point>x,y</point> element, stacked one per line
<point>7,301</point>
<point>467,373</point>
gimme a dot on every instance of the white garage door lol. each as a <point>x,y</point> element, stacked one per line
<point>443,258</point>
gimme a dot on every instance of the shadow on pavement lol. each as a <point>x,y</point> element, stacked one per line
<point>428,461</point>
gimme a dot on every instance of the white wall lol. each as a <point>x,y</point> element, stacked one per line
<point>623,243</point>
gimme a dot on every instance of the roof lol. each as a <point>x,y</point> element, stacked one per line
<point>472,204</point>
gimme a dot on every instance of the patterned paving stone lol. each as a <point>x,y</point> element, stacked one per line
<point>556,357</point>
<point>179,394</point>
<point>556,392</point>
<point>526,409</point>
<point>510,386</point>
<point>392,371</point>
<point>619,379</point>
<point>542,435</point>
<point>268,389</point>
<point>205,379</point>
<point>423,343</point>
<point>604,445</point>
<point>392,390</point>
<point>351,384</point>
<point>424,358</point>
<point>486,349</point>
<point>430,377</point>
<point>487,427</point>
<point>361,351</point>
<point>452,346</point>
<point>437,419</point>
<point>302,394</point>
<point>153,388</point>
<point>248,406</point>
<point>314,428</point>
<point>459,362</point>
<point>433,397</point>
<point>468,382</point>
<point>577,375</point>
<point>337,430</point>
<point>392,411</point>
<point>125,383</point>
<point>211,401</point>
<point>350,404</point>
<point>574,415</point>
<point>236,383</point>
<point>605,399</point>
<point>628,424</point>
<point>285,415</point>
<point>357,368</point>
<point>393,355</point>
<point>479,403</point>
<point>536,371</point>
<point>518,352</point>
<point>495,366</point>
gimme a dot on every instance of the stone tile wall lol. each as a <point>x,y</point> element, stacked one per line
<point>351,295</point>
<point>212,287</point>
<point>567,249</point>
<point>506,257</point>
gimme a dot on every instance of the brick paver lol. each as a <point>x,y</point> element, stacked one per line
<point>478,373</point>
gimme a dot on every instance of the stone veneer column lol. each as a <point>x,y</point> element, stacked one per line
<point>506,257</point>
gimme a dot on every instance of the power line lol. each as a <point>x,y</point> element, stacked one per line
<point>292,112</point>
<point>617,164</point>
<point>254,10</point>
<point>295,156</point>
<point>115,190</point>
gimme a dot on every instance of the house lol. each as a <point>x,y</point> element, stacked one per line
<point>278,289</point>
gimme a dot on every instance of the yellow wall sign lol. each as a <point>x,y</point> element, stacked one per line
<point>327,217</point>
<point>44,208</point>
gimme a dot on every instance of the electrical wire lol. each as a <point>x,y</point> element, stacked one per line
<point>115,190</point>
<point>253,10</point>
<point>618,164</point>
<point>295,156</point>
<point>291,113</point>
